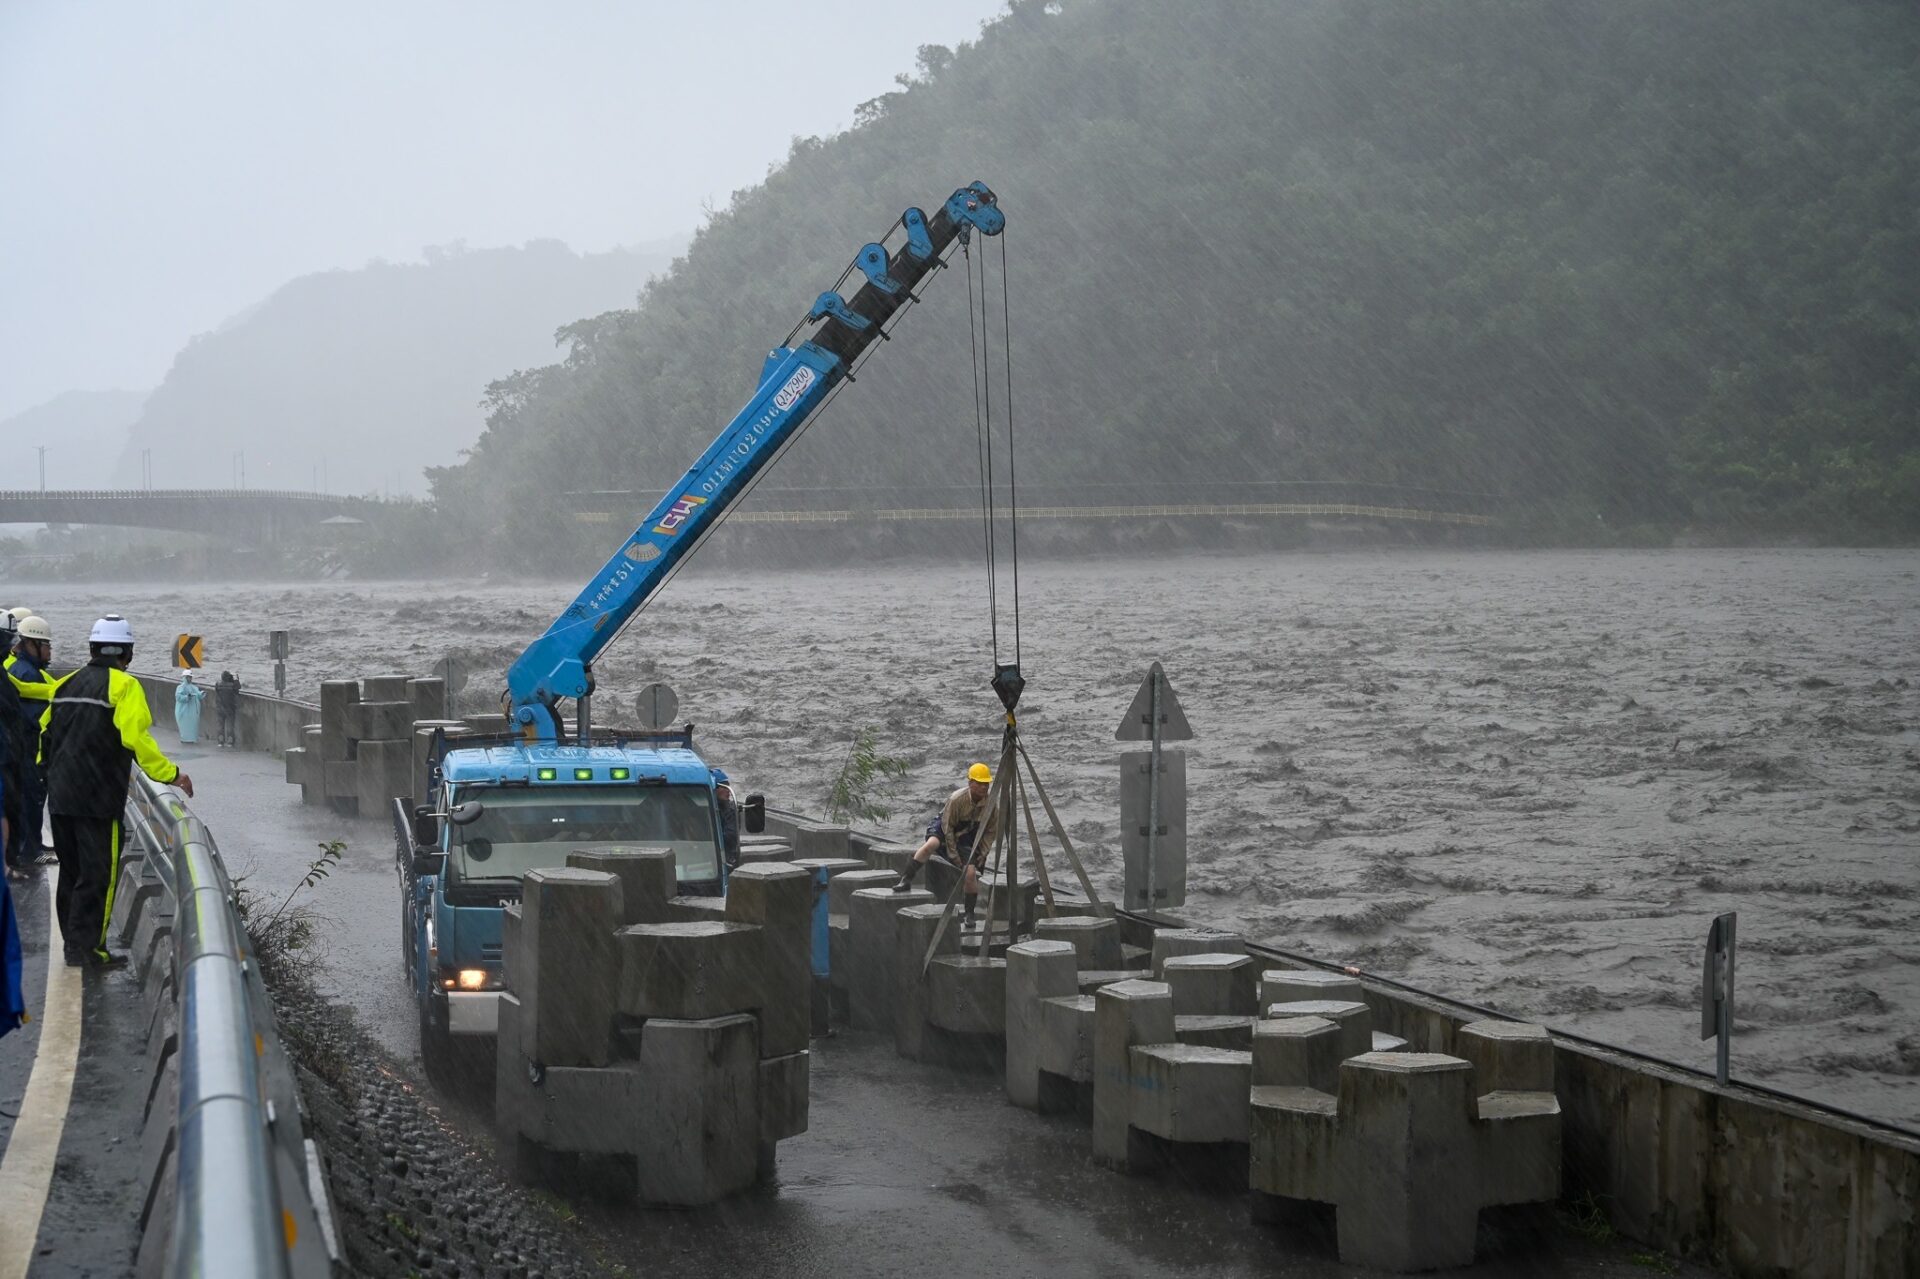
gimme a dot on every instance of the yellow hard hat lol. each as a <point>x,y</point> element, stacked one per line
<point>980,773</point>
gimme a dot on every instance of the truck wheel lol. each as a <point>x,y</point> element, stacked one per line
<point>436,1047</point>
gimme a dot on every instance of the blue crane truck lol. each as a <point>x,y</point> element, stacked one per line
<point>502,807</point>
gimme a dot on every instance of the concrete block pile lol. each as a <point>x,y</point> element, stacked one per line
<point>670,1036</point>
<point>1407,1146</point>
<point>371,742</point>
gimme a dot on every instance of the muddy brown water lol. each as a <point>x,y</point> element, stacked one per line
<point>1523,779</point>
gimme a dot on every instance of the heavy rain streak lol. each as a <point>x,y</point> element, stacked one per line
<point>1500,422</point>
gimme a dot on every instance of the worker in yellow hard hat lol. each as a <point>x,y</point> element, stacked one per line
<point>962,833</point>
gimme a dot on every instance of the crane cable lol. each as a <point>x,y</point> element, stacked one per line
<point>980,341</point>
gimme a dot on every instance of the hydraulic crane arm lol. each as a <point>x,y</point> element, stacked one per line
<point>794,382</point>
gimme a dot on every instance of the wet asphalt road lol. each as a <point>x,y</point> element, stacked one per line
<point>89,1228</point>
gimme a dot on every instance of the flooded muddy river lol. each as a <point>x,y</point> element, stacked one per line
<point>1523,779</point>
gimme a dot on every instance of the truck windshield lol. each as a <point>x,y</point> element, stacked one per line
<point>522,830</point>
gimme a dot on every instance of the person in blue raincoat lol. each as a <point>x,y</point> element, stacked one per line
<point>186,709</point>
<point>13,1005</point>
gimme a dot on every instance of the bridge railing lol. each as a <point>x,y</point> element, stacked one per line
<point>240,1191</point>
<point>197,495</point>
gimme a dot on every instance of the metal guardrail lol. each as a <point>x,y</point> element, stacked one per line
<point>249,1198</point>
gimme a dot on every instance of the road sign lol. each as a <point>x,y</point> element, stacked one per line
<point>1153,828</point>
<point>656,705</point>
<point>277,645</point>
<point>189,652</point>
<point>1137,724</point>
<point>1716,990</point>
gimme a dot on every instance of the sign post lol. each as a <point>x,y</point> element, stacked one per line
<point>656,706</point>
<point>1153,796</point>
<point>1716,990</point>
<point>277,650</point>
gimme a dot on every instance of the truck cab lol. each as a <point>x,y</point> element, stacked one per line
<point>500,811</point>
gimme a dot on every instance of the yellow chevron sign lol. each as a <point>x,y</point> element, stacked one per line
<point>189,652</point>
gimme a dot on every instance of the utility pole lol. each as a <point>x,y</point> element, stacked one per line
<point>43,466</point>
<point>146,469</point>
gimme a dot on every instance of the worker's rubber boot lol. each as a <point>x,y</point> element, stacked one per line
<point>905,882</point>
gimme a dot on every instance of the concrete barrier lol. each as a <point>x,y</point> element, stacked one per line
<point>267,723</point>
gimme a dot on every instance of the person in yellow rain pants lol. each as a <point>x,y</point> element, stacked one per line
<point>99,729</point>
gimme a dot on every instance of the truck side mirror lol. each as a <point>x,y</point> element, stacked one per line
<point>425,828</point>
<point>466,814</point>
<point>755,810</point>
<point>428,861</point>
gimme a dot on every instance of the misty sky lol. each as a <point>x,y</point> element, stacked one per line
<point>166,165</point>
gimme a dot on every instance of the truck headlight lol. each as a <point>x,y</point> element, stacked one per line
<point>473,979</point>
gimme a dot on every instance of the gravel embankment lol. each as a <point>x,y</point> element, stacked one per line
<point>413,1194</point>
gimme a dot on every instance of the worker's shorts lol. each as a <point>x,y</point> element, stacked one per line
<point>969,848</point>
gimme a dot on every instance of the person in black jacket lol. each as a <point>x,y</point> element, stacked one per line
<point>18,739</point>
<point>226,709</point>
<point>99,730</point>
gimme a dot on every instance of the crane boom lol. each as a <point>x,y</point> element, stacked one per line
<point>794,382</point>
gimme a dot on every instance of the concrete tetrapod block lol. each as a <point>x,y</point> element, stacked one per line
<point>646,875</point>
<point>1168,942</point>
<point>914,930</point>
<point>834,866</point>
<point>1213,1030</point>
<point>1297,1052</point>
<point>567,972</point>
<point>1186,1093</point>
<point>385,770</point>
<point>1095,941</point>
<point>1519,1147</point>
<point>1294,1150</point>
<point>1507,1056</point>
<point>383,688</point>
<point>1404,1201</point>
<point>778,896</point>
<point>380,721</point>
<point>1222,985</point>
<point>842,887</point>
<point>967,994</point>
<point>1355,1021</point>
<point>891,858</point>
<point>1125,1014</point>
<point>820,839</point>
<point>694,910</point>
<point>1037,970</point>
<point>690,971</point>
<point>1295,985</point>
<point>428,697</point>
<point>338,697</point>
<point>1066,1043</point>
<point>783,1096</point>
<point>870,953</point>
<point>700,1131</point>
<point>451,731</point>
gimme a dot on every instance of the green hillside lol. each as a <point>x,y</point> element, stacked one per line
<point>1642,263</point>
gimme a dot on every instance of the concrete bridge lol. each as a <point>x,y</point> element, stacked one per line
<point>1145,499</point>
<point>260,516</point>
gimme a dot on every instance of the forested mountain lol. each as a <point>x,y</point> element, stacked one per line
<point>360,379</point>
<point>82,431</point>
<point>1647,262</point>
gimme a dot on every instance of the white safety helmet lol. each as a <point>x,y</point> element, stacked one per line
<point>111,632</point>
<point>35,628</point>
<point>20,614</point>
